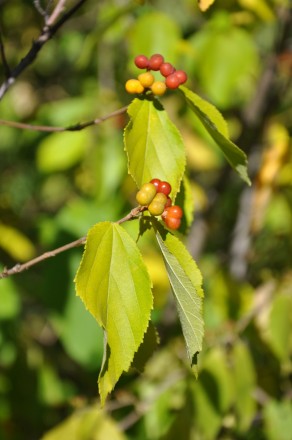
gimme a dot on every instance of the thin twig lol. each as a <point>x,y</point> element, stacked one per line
<point>39,8</point>
<point>75,127</point>
<point>134,213</point>
<point>56,12</point>
<point>47,33</point>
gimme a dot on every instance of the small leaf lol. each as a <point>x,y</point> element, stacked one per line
<point>115,287</point>
<point>154,145</point>
<point>186,283</point>
<point>216,126</point>
<point>15,243</point>
<point>205,4</point>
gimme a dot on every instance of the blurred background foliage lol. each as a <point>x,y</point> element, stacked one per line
<point>55,186</point>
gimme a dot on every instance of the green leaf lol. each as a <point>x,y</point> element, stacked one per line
<point>216,126</point>
<point>186,283</point>
<point>154,145</point>
<point>115,287</point>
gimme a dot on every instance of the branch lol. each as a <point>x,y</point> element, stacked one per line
<point>6,67</point>
<point>56,12</point>
<point>134,213</point>
<point>75,127</point>
<point>47,33</point>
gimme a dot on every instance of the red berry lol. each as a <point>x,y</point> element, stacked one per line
<point>168,202</point>
<point>156,183</point>
<point>166,69</point>
<point>172,82</point>
<point>155,61</point>
<point>181,76</point>
<point>174,211</point>
<point>141,61</point>
<point>172,222</point>
<point>164,188</point>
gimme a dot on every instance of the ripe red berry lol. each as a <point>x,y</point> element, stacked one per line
<point>172,81</point>
<point>141,61</point>
<point>174,211</point>
<point>172,222</point>
<point>164,188</point>
<point>168,202</point>
<point>166,69</point>
<point>155,61</point>
<point>181,76</point>
<point>156,183</point>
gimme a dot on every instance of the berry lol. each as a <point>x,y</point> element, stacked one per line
<point>141,61</point>
<point>181,76</point>
<point>155,62</point>
<point>134,86</point>
<point>172,222</point>
<point>172,81</point>
<point>156,183</point>
<point>164,188</point>
<point>146,194</point>
<point>158,88</point>
<point>146,79</point>
<point>166,69</point>
<point>174,211</point>
<point>157,205</point>
<point>168,202</point>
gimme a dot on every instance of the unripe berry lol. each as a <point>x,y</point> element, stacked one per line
<point>157,205</point>
<point>172,222</point>
<point>172,82</point>
<point>146,194</point>
<point>164,188</point>
<point>181,76</point>
<point>141,61</point>
<point>134,86</point>
<point>155,61</point>
<point>166,69</point>
<point>146,79</point>
<point>158,88</point>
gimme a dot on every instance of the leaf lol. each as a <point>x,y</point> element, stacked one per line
<point>15,243</point>
<point>216,126</point>
<point>115,287</point>
<point>153,144</point>
<point>205,4</point>
<point>186,283</point>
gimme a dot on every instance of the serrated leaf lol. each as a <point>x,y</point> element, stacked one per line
<point>186,283</point>
<point>115,287</point>
<point>153,144</point>
<point>216,126</point>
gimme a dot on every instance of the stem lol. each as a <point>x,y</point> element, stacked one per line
<point>133,214</point>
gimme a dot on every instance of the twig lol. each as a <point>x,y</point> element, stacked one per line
<point>47,33</point>
<point>56,12</point>
<point>75,127</point>
<point>39,8</point>
<point>134,213</point>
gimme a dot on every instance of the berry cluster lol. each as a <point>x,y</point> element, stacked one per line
<point>155,195</point>
<point>173,78</point>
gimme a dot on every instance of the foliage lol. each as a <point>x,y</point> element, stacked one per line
<point>58,187</point>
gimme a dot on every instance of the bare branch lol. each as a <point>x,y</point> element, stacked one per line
<point>56,12</point>
<point>39,8</point>
<point>47,33</point>
<point>134,213</point>
<point>75,127</point>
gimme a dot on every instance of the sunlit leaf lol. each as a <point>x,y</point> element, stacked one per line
<point>278,419</point>
<point>217,128</point>
<point>154,145</point>
<point>186,283</point>
<point>205,4</point>
<point>115,287</point>
<point>15,243</point>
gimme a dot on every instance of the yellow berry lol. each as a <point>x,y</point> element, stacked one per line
<point>158,88</point>
<point>146,194</point>
<point>134,86</point>
<point>156,207</point>
<point>146,79</point>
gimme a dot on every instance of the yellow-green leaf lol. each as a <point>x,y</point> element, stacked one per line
<point>205,4</point>
<point>115,287</point>
<point>154,145</point>
<point>186,283</point>
<point>15,243</point>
